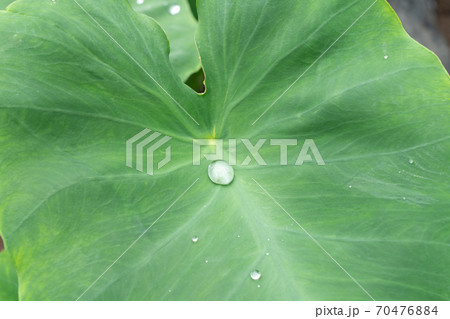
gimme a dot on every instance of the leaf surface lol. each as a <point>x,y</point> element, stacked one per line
<point>79,78</point>
<point>8,279</point>
<point>179,24</point>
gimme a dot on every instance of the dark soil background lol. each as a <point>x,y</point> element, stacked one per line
<point>443,12</point>
<point>427,21</point>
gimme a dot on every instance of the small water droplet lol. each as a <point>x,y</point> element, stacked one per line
<point>139,1</point>
<point>411,161</point>
<point>404,198</point>
<point>349,186</point>
<point>175,9</point>
<point>239,236</point>
<point>220,172</point>
<point>267,254</point>
<point>399,172</point>
<point>170,290</point>
<point>206,261</point>
<point>268,239</point>
<point>259,286</point>
<point>386,57</point>
<point>195,239</point>
<point>255,274</point>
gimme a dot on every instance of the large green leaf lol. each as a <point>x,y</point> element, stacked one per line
<point>79,78</point>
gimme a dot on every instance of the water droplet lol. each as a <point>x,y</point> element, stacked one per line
<point>268,239</point>
<point>255,274</point>
<point>386,57</point>
<point>349,186</point>
<point>139,1</point>
<point>259,286</point>
<point>404,198</point>
<point>220,172</point>
<point>195,239</point>
<point>175,9</point>
<point>411,161</point>
<point>267,254</point>
<point>239,236</point>
<point>399,172</point>
<point>170,290</point>
<point>206,261</point>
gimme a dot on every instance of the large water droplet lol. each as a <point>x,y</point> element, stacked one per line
<point>220,172</point>
<point>195,239</point>
<point>255,274</point>
<point>175,9</point>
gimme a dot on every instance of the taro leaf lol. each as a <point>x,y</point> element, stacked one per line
<point>8,279</point>
<point>177,20</point>
<point>79,78</point>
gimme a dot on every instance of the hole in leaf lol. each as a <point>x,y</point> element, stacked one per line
<point>193,5</point>
<point>197,81</point>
